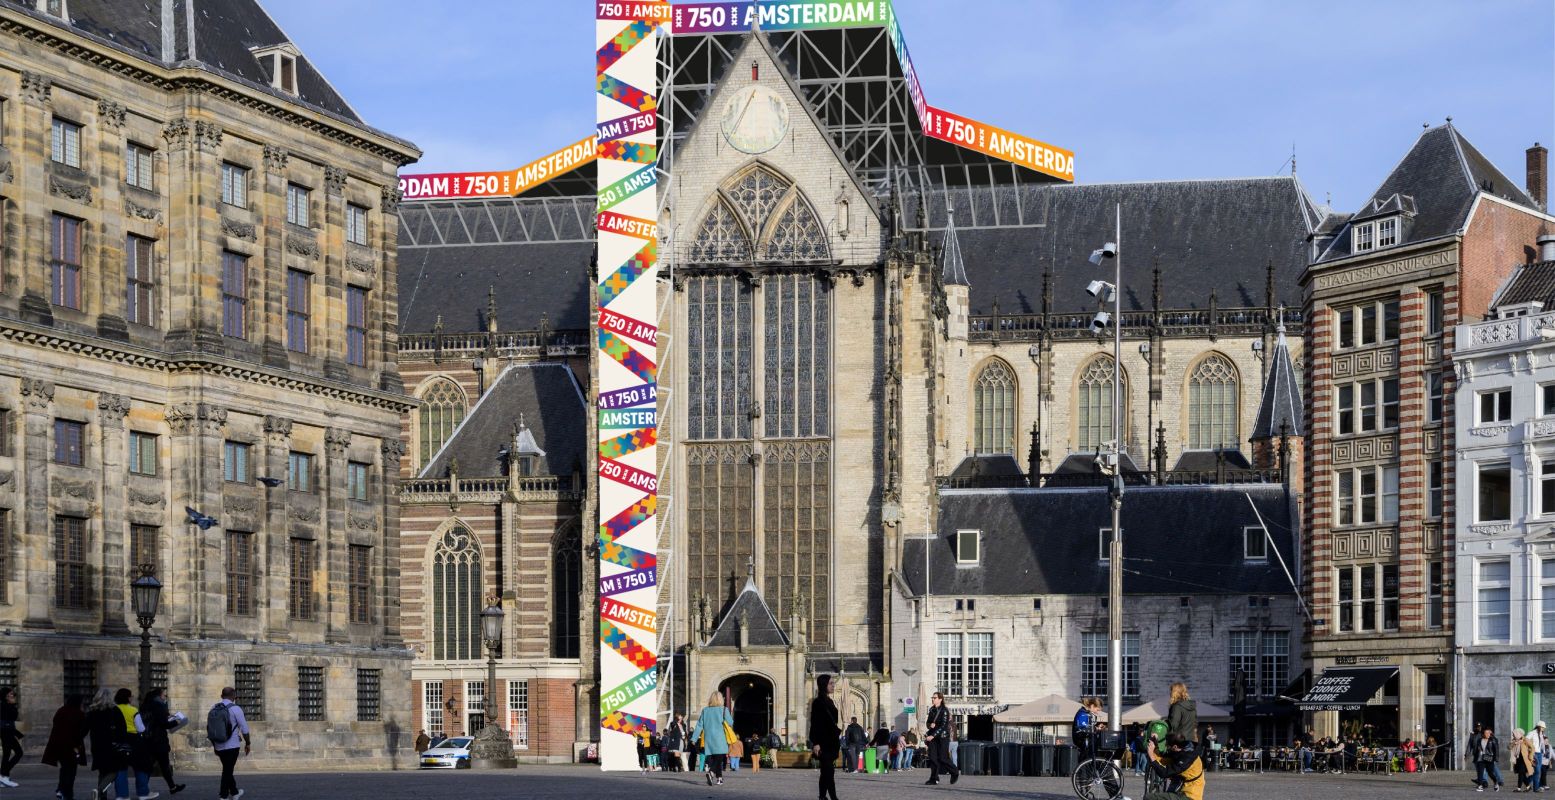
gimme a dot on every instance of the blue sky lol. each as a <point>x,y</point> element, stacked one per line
<point>1139,90</point>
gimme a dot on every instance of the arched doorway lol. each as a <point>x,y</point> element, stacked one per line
<point>752,696</point>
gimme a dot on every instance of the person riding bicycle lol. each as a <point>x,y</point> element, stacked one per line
<point>1180,766</point>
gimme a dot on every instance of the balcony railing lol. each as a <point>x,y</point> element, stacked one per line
<point>1192,322</point>
<point>1498,333</point>
<point>1073,479</point>
<point>489,490</point>
<point>505,344</point>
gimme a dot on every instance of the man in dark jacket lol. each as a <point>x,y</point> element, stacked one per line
<point>1179,766</point>
<point>155,720</point>
<point>856,738</point>
<point>66,747</point>
<point>937,736</point>
<point>1486,754</point>
<point>824,736</point>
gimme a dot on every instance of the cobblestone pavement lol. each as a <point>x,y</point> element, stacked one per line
<point>546,782</point>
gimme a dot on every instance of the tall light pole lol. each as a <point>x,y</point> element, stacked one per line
<point>1113,466</point>
<point>146,594</point>
<point>491,748</point>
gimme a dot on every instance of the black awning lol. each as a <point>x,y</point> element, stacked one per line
<point>1345,688</point>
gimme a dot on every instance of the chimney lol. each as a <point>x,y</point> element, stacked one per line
<point>1538,174</point>
<point>1547,247</point>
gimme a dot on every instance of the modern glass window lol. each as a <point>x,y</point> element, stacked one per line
<point>140,283</point>
<point>299,303</point>
<point>1495,493</point>
<point>994,409</point>
<point>356,326</point>
<point>356,224</point>
<point>139,166</point>
<point>143,453</point>
<point>1493,601</point>
<point>1346,598</point>
<point>1435,313</point>
<point>1387,232</point>
<point>299,472</point>
<point>1094,421</point>
<point>240,573</point>
<point>1364,495</point>
<point>1344,405</point>
<point>356,480</point>
<point>442,409</point>
<point>361,572</point>
<point>432,706</point>
<point>950,665</point>
<point>369,694</point>
<point>234,295</point>
<point>1435,606</point>
<point>310,694</point>
<point>71,569</point>
<point>518,713</point>
<point>69,442</point>
<point>1434,393</point>
<point>456,597</point>
<point>1213,400</point>
<point>234,185</point>
<point>65,262</point>
<point>1547,598</point>
<point>65,146</point>
<point>249,681</point>
<point>1495,406</point>
<point>302,567</point>
<point>297,199</point>
<point>1255,546</point>
<point>235,462</point>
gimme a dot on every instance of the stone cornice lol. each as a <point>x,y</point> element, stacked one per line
<point>191,76</point>
<point>185,363</point>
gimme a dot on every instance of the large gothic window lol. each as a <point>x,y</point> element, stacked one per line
<point>718,519</point>
<point>455,606</point>
<point>442,409</point>
<point>1212,404</point>
<point>796,235</point>
<point>797,328</point>
<point>721,238</point>
<point>994,418</point>
<point>763,215</point>
<point>719,357</point>
<point>1093,415</point>
<point>796,490</point>
<point>566,589</point>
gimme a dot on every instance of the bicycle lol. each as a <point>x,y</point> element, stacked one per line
<point>1097,777</point>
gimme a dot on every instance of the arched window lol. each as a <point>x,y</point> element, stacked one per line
<point>1093,418</point>
<point>455,608</point>
<point>721,238</point>
<point>1212,404</point>
<point>442,409</point>
<point>759,213</point>
<point>796,235</point>
<point>566,588</point>
<point>994,419</point>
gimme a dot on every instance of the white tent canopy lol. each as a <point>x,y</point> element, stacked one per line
<point>1043,710</point>
<point>1157,709</point>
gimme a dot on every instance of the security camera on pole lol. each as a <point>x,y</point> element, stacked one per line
<point>1110,463</point>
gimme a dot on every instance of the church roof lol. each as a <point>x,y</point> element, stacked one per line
<point>1280,408</point>
<point>954,268</point>
<point>1179,540</point>
<point>763,628</point>
<point>1434,186</point>
<point>215,36</point>
<point>546,397</point>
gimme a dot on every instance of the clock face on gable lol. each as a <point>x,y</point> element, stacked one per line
<point>754,120</point>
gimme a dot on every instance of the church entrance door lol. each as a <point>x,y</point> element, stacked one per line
<point>752,704</point>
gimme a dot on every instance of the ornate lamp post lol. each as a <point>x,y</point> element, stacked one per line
<point>146,592</point>
<point>492,749</point>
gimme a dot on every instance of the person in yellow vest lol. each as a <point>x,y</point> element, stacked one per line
<point>1180,766</point>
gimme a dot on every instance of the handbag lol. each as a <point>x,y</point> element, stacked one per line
<point>729,734</point>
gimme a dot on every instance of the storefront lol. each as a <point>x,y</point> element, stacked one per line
<point>1506,690</point>
<point>1366,699</point>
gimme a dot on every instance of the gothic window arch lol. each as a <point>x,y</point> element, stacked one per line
<point>1213,400</point>
<point>442,409</point>
<point>795,235</point>
<point>994,404</point>
<point>721,236</point>
<point>566,588</point>
<point>1093,412</point>
<point>454,605</point>
<point>759,213</point>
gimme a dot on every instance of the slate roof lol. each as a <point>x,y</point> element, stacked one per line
<point>1209,460</point>
<point>1206,235</point>
<point>551,405</point>
<point>763,628</point>
<point>222,36</point>
<point>1178,540</point>
<point>532,280</point>
<point>1080,469</point>
<point>1441,176</point>
<point>1531,282</point>
<point>990,470</point>
<point>1280,405</point>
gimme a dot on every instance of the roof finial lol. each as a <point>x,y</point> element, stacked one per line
<point>750,567</point>
<point>491,308</point>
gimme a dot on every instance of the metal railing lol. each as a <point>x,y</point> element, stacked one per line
<point>1192,322</point>
<point>530,344</point>
<point>1073,479</point>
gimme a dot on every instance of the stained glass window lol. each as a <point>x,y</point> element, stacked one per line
<point>721,238</point>
<point>994,420</point>
<point>755,193</point>
<point>796,235</point>
<point>1093,421</point>
<point>760,205</point>
<point>1212,404</point>
<point>442,409</point>
<point>718,518</point>
<point>797,324</point>
<point>566,587</point>
<point>797,526</point>
<point>456,597</point>
<point>719,309</point>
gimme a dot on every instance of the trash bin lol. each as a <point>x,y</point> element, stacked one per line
<point>1031,760</point>
<point>870,762</point>
<point>993,760</point>
<point>1063,760</point>
<point>1009,758</point>
<point>970,756</point>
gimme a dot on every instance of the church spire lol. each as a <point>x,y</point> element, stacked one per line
<point>1279,411</point>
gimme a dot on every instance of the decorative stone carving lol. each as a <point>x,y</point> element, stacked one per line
<point>391,200</point>
<point>275,159</point>
<point>303,247</point>
<point>111,409</point>
<point>146,498</point>
<point>336,440</point>
<point>176,134</point>
<point>81,490</point>
<point>7,174</point>
<point>240,505</point>
<point>37,88</point>
<point>1488,431</point>
<point>363,523</point>
<point>393,450</point>
<point>134,209</point>
<point>37,394</point>
<point>361,263</point>
<point>1489,530</point>
<point>179,418</point>
<point>212,417</point>
<point>240,230</point>
<point>111,113</point>
<point>305,514</point>
<point>5,477</point>
<point>1543,428</point>
<point>334,180</point>
<point>79,192</point>
<point>207,135</point>
<point>278,427</point>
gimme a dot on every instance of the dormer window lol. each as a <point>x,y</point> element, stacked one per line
<point>967,550</point>
<point>281,62</point>
<point>1387,232</point>
<point>54,8</point>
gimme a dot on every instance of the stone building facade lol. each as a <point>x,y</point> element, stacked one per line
<point>197,237</point>
<point>1386,287</point>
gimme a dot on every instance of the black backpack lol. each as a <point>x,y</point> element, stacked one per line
<point>218,724</point>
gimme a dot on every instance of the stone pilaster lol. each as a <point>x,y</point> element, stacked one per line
<point>270,548</point>
<point>336,568</point>
<point>109,287</point>
<point>212,575</point>
<point>270,309</point>
<point>32,175</point>
<point>111,409</point>
<point>330,314</point>
<point>37,531</point>
<point>393,450</point>
<point>387,301</point>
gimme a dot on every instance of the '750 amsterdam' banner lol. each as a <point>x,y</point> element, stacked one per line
<point>626,378</point>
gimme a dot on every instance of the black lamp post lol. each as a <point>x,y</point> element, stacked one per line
<point>146,592</point>
<point>491,748</point>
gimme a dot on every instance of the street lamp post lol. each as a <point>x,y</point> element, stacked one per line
<point>146,592</point>
<point>1113,466</point>
<point>492,748</point>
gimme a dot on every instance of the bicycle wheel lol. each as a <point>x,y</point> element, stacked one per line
<point>1098,779</point>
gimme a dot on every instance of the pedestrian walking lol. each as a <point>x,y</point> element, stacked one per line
<point>1522,760</point>
<point>824,736</point>
<point>423,741</point>
<point>854,740</point>
<point>882,745</point>
<point>710,732</point>
<point>937,736</point>
<point>909,748</point>
<point>66,748</point>
<point>1540,742</point>
<point>111,746</point>
<point>1183,716</point>
<point>1486,753</point>
<point>10,735</point>
<point>153,723</point>
<point>227,730</point>
<point>1179,766</point>
<point>132,747</point>
<point>675,744</point>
